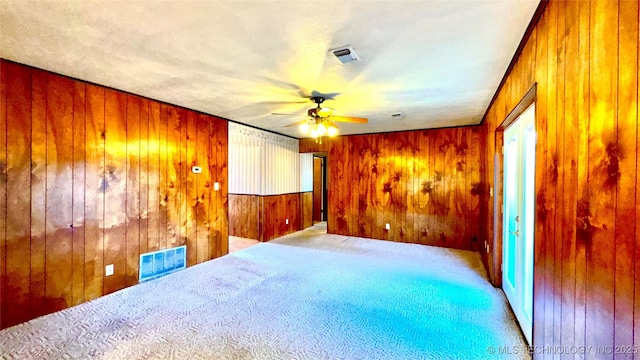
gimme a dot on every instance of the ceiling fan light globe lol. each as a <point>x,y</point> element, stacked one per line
<point>304,127</point>
<point>321,129</point>
<point>332,131</point>
<point>314,132</point>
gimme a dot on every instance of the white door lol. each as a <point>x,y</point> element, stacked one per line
<point>519,192</point>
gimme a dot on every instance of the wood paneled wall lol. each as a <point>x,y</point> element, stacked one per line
<point>264,217</point>
<point>584,58</point>
<point>306,209</point>
<point>425,184</point>
<point>92,176</point>
<point>244,215</point>
<point>274,210</point>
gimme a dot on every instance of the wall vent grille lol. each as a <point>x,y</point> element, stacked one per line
<point>163,262</point>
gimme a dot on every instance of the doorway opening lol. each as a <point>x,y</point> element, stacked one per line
<point>319,187</point>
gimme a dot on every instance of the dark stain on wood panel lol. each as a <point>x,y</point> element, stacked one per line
<point>85,164</point>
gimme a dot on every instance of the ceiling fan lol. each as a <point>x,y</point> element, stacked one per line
<point>320,120</point>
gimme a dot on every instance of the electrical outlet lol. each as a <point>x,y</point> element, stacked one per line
<point>286,221</point>
<point>108,270</point>
<point>387,226</point>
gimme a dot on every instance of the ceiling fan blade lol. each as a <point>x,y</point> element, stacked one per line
<point>332,123</point>
<point>281,114</point>
<point>296,123</point>
<point>350,119</point>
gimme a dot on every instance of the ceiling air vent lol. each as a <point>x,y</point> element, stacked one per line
<point>397,115</point>
<point>345,54</point>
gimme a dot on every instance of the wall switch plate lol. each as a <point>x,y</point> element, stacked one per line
<point>216,186</point>
<point>287,222</point>
<point>196,169</point>
<point>108,270</point>
<point>387,226</point>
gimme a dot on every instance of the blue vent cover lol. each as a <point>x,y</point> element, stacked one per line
<point>163,262</point>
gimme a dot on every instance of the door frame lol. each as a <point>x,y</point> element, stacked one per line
<point>324,189</point>
<point>498,199</point>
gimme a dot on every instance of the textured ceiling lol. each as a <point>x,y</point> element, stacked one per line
<point>438,62</point>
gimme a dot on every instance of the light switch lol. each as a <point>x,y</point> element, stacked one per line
<point>387,226</point>
<point>287,222</point>
<point>216,186</point>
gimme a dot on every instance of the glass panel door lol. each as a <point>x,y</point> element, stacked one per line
<point>518,218</point>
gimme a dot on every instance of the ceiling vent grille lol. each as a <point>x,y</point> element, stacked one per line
<point>397,115</point>
<point>345,54</point>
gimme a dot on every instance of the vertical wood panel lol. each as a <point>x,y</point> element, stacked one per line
<point>16,293</point>
<point>559,242</point>
<point>223,175</point>
<point>551,178</point>
<point>626,157</point>
<point>145,191</point>
<point>156,233</point>
<point>569,174</point>
<point>213,205</point>
<point>132,186</point>
<point>58,221</point>
<point>78,196</point>
<point>163,181</point>
<point>38,189</point>
<point>541,279</point>
<point>94,182</point>
<point>191,198</point>
<point>114,189</point>
<point>3,188</point>
<point>582,190</point>
<point>204,186</point>
<point>603,172</point>
<point>307,210</point>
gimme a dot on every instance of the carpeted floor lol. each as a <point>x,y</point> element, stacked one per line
<point>304,296</point>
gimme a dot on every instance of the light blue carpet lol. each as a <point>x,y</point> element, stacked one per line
<point>304,296</point>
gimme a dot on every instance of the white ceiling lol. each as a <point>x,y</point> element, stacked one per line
<point>438,62</point>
